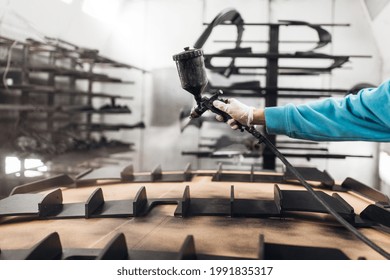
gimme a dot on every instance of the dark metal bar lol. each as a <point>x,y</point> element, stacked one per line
<point>187,250</point>
<point>261,248</point>
<point>187,172</point>
<point>127,174</point>
<point>83,173</point>
<point>277,55</point>
<point>345,204</point>
<point>156,173</point>
<point>377,214</point>
<point>311,174</point>
<point>52,182</point>
<point>283,24</point>
<point>273,251</point>
<point>259,89</point>
<point>238,68</point>
<point>20,204</point>
<point>95,201</point>
<point>232,201</point>
<point>185,202</point>
<point>51,204</point>
<point>257,94</point>
<point>49,248</point>
<point>333,156</point>
<point>278,198</point>
<point>116,249</point>
<point>304,201</point>
<point>302,148</point>
<point>272,95</point>
<point>351,184</point>
<point>140,202</point>
<point>266,41</point>
<point>217,174</point>
<point>251,178</point>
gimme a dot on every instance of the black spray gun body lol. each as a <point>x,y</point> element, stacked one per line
<point>192,73</point>
<point>193,78</point>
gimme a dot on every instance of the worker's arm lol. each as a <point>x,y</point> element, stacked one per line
<point>365,116</point>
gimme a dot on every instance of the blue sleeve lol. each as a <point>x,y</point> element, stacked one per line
<point>365,116</point>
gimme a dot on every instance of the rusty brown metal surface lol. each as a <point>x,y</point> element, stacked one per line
<point>160,230</point>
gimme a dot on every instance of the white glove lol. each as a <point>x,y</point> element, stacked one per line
<point>238,111</point>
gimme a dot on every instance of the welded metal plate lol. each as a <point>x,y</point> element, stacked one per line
<point>70,210</point>
<point>304,201</point>
<point>53,182</point>
<point>242,177</point>
<point>126,174</point>
<point>290,252</point>
<point>209,207</point>
<point>255,208</point>
<point>40,205</point>
<point>112,209</point>
<point>366,191</point>
<point>20,204</point>
<point>311,174</point>
<point>377,214</point>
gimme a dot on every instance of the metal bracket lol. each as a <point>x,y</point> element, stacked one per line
<point>310,174</point>
<point>116,249</point>
<point>273,251</point>
<point>350,184</point>
<point>52,182</point>
<point>40,205</point>
<point>50,248</point>
<point>377,214</point>
<point>127,175</point>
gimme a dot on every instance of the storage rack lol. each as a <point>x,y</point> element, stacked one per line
<point>271,92</point>
<point>41,95</point>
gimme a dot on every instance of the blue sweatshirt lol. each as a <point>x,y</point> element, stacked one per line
<point>361,117</point>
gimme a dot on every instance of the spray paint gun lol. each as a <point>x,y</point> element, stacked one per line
<point>192,73</point>
<point>193,78</point>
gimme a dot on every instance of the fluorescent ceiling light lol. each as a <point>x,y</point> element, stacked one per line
<point>32,163</point>
<point>12,165</point>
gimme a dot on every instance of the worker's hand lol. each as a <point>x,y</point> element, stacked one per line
<point>239,112</point>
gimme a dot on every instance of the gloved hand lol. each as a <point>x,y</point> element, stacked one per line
<point>238,111</point>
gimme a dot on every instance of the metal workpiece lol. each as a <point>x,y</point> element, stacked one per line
<point>50,248</point>
<point>39,205</point>
<point>51,206</point>
<point>231,16</point>
<point>317,177</point>
<point>377,213</point>
<point>127,174</point>
<point>155,211</point>
<point>324,37</point>
<point>116,249</point>
<point>350,184</point>
<point>48,183</point>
